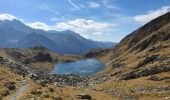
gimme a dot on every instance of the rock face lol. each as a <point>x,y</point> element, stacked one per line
<point>34,58</point>
<point>42,57</point>
<point>96,52</point>
<point>144,52</point>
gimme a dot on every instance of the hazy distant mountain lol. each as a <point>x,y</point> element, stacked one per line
<point>16,34</point>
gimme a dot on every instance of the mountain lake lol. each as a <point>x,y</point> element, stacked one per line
<point>81,67</point>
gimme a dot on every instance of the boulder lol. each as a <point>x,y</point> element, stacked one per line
<point>1,58</point>
<point>84,96</point>
<point>51,89</point>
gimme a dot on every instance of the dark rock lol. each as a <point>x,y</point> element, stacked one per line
<point>39,47</point>
<point>118,65</point>
<point>51,89</point>
<point>156,78</point>
<point>147,60</point>
<point>27,61</point>
<point>43,57</point>
<point>1,58</point>
<point>167,37</point>
<point>145,72</point>
<point>15,54</point>
<point>10,85</point>
<point>84,96</point>
<point>96,52</point>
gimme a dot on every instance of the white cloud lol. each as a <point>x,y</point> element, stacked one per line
<point>100,4</point>
<point>109,5</point>
<point>40,25</point>
<point>97,33</point>
<point>94,5</point>
<point>52,10</point>
<point>46,7</point>
<point>82,26</point>
<point>85,27</point>
<point>152,14</point>
<point>73,4</point>
<point>7,17</point>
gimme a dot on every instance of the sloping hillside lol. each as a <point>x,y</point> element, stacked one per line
<point>139,66</point>
<point>143,52</point>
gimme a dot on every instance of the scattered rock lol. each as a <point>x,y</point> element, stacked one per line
<point>15,54</point>
<point>36,92</point>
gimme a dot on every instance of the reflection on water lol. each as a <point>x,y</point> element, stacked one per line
<point>80,67</point>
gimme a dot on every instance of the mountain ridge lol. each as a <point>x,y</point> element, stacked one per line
<point>14,32</point>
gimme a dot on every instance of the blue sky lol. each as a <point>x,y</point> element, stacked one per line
<point>102,20</point>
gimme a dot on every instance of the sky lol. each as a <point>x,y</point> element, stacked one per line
<point>101,20</point>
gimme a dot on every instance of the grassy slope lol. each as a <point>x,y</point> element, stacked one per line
<point>125,59</point>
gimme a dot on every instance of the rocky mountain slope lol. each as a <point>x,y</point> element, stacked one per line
<point>15,34</point>
<point>143,52</point>
<point>139,65</point>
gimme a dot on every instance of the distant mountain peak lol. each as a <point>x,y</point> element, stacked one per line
<point>62,42</point>
<point>4,17</point>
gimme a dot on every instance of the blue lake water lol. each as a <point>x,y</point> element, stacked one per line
<point>81,67</point>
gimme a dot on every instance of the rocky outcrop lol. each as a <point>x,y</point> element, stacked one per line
<point>43,57</point>
<point>145,72</point>
<point>84,96</point>
<point>96,52</point>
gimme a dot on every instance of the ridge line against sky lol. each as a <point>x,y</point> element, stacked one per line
<point>101,20</point>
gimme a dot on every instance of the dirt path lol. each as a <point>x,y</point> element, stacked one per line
<point>24,86</point>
